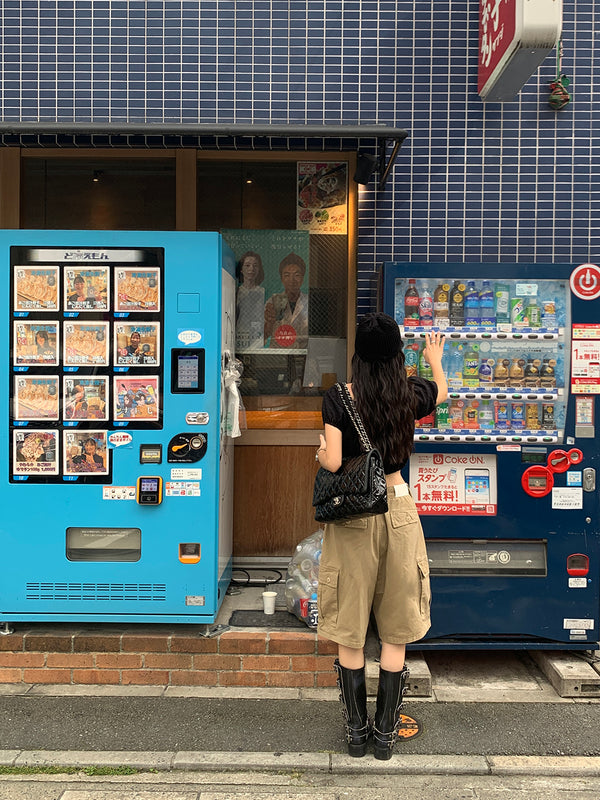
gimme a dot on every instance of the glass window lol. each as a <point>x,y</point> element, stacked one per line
<point>292,295</point>
<point>98,193</point>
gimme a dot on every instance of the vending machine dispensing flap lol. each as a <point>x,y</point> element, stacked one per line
<point>578,564</point>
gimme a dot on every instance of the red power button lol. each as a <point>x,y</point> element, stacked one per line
<point>585,281</point>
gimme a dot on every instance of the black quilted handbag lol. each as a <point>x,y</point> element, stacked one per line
<point>358,488</point>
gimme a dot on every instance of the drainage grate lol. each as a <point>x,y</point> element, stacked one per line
<point>96,591</point>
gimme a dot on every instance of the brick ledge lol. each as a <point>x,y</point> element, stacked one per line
<point>166,656</point>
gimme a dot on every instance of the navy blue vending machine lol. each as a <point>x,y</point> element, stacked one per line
<point>117,489</point>
<point>504,473</point>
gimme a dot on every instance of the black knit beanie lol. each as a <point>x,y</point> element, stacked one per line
<point>377,337</point>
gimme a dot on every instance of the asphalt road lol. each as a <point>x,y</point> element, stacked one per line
<point>267,725</point>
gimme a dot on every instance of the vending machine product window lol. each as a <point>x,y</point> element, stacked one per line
<point>506,357</point>
<point>86,346</point>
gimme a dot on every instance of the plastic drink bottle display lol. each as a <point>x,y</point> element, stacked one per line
<point>547,374</point>
<point>501,413</point>
<point>518,317</point>
<point>501,374</point>
<point>486,305</point>
<point>425,307</point>
<point>425,370</point>
<point>426,422</point>
<point>455,366</point>
<point>534,313</point>
<point>472,316</point>
<point>517,415</point>
<point>442,416</point>
<point>532,414</point>
<point>502,303</point>
<point>470,415</point>
<point>486,415</point>
<point>549,314</point>
<point>548,422</point>
<point>471,366</point>
<point>457,304</point>
<point>411,359</point>
<point>411,305</point>
<point>441,305</point>
<point>485,372</point>
<point>517,372</point>
<point>531,373</point>
<point>456,413</point>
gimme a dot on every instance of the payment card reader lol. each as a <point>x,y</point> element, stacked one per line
<point>149,490</point>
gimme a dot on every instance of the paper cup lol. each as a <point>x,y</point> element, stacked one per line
<point>269,602</point>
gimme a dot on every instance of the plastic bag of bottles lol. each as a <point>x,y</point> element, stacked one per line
<point>303,578</point>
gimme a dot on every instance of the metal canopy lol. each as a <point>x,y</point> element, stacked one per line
<point>242,136</point>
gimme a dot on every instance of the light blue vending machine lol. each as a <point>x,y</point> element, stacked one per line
<point>118,482</point>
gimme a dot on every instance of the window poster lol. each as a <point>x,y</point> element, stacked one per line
<point>86,344</point>
<point>36,288</point>
<point>85,399</point>
<point>137,345</point>
<point>36,343</point>
<point>86,289</point>
<point>322,204</point>
<point>35,398</point>
<point>272,293</point>
<point>135,399</point>
<point>85,452</point>
<point>35,452</point>
<point>137,289</point>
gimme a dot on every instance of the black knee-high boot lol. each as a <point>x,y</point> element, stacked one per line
<point>390,692</point>
<point>353,696</point>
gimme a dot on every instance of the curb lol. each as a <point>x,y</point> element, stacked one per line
<point>332,763</point>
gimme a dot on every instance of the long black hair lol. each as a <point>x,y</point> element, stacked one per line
<point>385,402</point>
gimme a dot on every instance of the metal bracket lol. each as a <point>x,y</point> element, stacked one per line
<point>210,633</point>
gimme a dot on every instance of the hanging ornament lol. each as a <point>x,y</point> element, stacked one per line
<point>559,96</point>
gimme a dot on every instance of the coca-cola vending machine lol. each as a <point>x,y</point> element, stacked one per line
<point>504,472</point>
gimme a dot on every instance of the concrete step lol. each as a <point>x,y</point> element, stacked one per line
<point>569,674</point>
<point>419,681</point>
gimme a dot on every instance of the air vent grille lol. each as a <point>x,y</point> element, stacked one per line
<point>96,591</point>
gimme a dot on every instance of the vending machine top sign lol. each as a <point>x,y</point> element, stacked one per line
<point>515,36</point>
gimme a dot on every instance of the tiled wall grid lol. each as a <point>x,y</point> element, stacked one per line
<point>474,182</point>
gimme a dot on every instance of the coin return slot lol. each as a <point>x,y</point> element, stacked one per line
<point>189,552</point>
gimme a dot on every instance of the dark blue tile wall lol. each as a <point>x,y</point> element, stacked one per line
<point>474,182</point>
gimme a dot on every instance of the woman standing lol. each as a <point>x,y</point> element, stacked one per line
<point>378,562</point>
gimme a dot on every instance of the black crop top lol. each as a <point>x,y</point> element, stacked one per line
<point>425,394</point>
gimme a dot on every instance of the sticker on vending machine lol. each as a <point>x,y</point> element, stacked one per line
<point>86,289</point>
<point>137,289</point>
<point>35,452</point>
<point>36,289</point>
<point>36,343</point>
<point>35,397</point>
<point>137,345</point>
<point>85,452</point>
<point>85,399</point>
<point>135,399</point>
<point>86,344</point>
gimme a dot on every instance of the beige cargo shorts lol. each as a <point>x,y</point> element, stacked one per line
<point>380,563</point>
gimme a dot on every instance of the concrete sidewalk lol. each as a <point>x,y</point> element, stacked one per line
<point>446,779</point>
